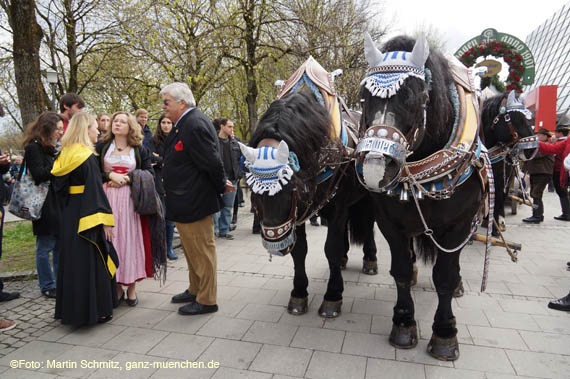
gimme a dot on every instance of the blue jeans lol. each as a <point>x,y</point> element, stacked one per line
<point>45,245</point>
<point>223,218</point>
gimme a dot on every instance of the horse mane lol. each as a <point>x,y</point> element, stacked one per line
<point>440,114</point>
<point>303,123</point>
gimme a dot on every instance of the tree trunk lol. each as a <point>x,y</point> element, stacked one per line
<point>27,36</point>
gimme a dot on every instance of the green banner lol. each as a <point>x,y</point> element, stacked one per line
<point>510,41</point>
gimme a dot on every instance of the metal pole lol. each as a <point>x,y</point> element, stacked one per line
<point>53,102</point>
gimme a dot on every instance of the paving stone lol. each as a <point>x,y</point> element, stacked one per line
<point>328,365</point>
<point>375,307</point>
<point>350,322</point>
<point>135,340</point>
<point>36,351</point>
<point>381,368</point>
<point>553,324</point>
<point>261,312</point>
<point>487,359</point>
<point>25,374</point>
<point>270,333</point>
<point>225,327</point>
<point>368,345</point>
<point>232,373</point>
<point>495,337</point>
<point>181,369</point>
<point>419,354</point>
<point>509,320</point>
<point>436,372</point>
<point>228,353</point>
<point>282,360</point>
<point>94,336</point>
<point>130,366</point>
<point>86,360</point>
<point>143,318</point>
<point>547,342</point>
<point>175,322</point>
<point>540,365</point>
<point>181,346</point>
<point>318,339</point>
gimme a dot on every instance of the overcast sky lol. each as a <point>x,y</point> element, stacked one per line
<point>459,22</point>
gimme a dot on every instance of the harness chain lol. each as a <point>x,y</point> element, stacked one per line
<point>491,200</point>
<point>429,232</point>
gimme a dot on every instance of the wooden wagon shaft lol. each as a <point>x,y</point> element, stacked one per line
<point>522,201</point>
<point>496,241</point>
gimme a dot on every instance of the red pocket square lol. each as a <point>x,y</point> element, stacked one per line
<point>179,146</point>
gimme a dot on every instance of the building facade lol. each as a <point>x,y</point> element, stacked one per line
<point>550,45</point>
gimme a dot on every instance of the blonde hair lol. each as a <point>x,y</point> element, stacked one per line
<point>135,136</point>
<point>77,131</point>
<point>141,111</point>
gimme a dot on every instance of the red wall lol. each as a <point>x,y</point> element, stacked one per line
<point>542,101</point>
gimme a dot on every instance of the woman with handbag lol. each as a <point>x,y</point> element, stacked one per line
<point>120,153</point>
<point>156,146</point>
<point>86,286</point>
<point>42,137</point>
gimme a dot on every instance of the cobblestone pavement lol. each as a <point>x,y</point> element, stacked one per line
<point>505,332</point>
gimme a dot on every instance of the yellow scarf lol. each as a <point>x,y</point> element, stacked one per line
<point>70,158</point>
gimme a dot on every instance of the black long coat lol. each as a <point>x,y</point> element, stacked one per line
<point>39,163</point>
<point>193,174</point>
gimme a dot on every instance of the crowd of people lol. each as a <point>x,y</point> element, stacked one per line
<point>117,192</point>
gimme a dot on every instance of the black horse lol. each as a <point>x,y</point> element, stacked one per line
<point>506,129</point>
<point>295,132</point>
<point>421,158</point>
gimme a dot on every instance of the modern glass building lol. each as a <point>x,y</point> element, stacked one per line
<point>550,45</point>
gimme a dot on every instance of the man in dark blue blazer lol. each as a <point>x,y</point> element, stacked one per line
<point>193,178</point>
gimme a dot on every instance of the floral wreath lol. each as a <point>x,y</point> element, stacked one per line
<point>501,50</point>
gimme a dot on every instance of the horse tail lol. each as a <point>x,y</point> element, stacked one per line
<point>361,220</point>
<point>423,247</point>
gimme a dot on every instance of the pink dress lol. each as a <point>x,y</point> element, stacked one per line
<point>128,235</point>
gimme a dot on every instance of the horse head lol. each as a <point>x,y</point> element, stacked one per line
<point>281,165</point>
<point>506,121</point>
<point>395,94</point>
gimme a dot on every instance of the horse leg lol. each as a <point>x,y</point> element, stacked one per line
<point>370,262</point>
<point>298,302</point>
<point>334,250</point>
<point>443,344</point>
<point>404,334</point>
<point>344,259</point>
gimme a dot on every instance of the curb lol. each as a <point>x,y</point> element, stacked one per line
<point>16,276</point>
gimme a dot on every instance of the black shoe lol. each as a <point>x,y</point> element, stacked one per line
<point>233,227</point>
<point>50,294</point>
<point>105,319</point>
<point>234,220</point>
<point>184,297</point>
<point>241,205</point>
<point>562,304</point>
<point>132,302</point>
<point>196,308</point>
<point>7,296</point>
<point>562,217</point>
<point>533,220</point>
<point>314,222</point>
<point>227,236</point>
<point>172,255</point>
<point>568,264</point>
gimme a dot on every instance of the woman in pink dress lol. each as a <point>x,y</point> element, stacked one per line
<point>120,153</point>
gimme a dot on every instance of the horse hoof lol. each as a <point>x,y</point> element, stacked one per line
<point>414,276</point>
<point>330,309</point>
<point>343,262</point>
<point>444,349</point>
<point>298,306</point>
<point>404,337</point>
<point>370,267</point>
<point>459,291</point>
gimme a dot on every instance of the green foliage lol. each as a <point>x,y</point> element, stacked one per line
<point>18,247</point>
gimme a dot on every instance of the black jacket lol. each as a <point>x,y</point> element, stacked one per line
<point>39,164</point>
<point>142,157</point>
<point>234,158</point>
<point>193,174</point>
<point>157,165</point>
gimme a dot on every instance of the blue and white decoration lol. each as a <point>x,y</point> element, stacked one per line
<point>268,167</point>
<point>387,71</point>
<point>515,105</point>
